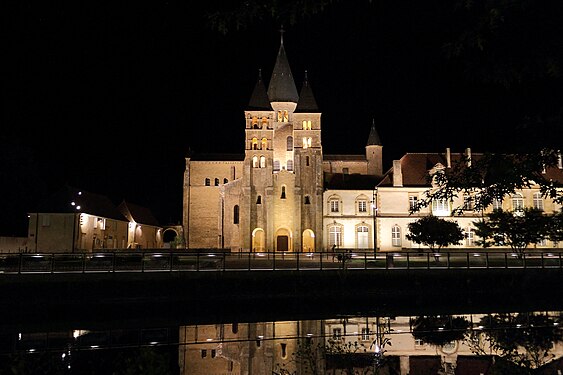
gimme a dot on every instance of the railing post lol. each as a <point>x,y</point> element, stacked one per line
<point>52,262</point>
<point>298,256</point>
<point>428,261</point>
<point>365,260</point>
<point>171,260</point>
<point>273,260</point>
<point>321,261</point>
<point>467,254</point>
<point>505,260</point>
<point>487,260</point>
<point>20,263</point>
<point>542,265</point>
<point>448,260</point>
<point>83,262</point>
<point>408,261</point>
<point>113,262</point>
<point>143,261</point>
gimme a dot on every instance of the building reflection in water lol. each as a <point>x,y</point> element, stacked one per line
<point>451,344</point>
<point>470,344</point>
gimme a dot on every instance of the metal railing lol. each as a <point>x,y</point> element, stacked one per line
<point>176,261</point>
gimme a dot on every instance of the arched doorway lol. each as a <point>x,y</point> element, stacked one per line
<point>308,244</point>
<point>258,240</point>
<point>283,240</point>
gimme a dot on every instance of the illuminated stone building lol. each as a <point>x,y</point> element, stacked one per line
<point>285,194</point>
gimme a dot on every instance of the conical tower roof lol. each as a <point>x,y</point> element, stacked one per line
<point>373,139</point>
<point>307,102</point>
<point>259,98</point>
<point>282,87</point>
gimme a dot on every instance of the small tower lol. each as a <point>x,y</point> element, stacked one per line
<point>374,152</point>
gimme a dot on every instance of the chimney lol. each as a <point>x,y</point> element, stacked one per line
<point>397,173</point>
<point>468,153</point>
<point>448,158</point>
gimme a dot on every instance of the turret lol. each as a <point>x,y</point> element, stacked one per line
<point>374,152</point>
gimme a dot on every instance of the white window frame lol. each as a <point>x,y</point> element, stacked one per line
<point>335,235</point>
<point>396,236</point>
<point>538,201</point>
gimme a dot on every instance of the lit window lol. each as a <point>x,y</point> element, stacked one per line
<point>307,142</point>
<point>440,207</point>
<point>262,161</point>
<point>264,144</point>
<point>255,161</point>
<point>396,236</point>
<point>497,204</point>
<point>255,122</point>
<point>254,144</point>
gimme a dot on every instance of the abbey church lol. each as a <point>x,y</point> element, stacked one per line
<point>285,194</point>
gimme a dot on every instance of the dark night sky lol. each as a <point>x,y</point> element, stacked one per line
<point>109,98</point>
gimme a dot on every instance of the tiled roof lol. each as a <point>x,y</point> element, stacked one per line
<point>344,157</point>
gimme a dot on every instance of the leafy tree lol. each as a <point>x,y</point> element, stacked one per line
<point>434,232</point>
<point>502,228</point>
<point>524,339</point>
<point>493,177</point>
<point>439,330</point>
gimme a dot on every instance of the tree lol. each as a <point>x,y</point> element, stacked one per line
<point>439,330</point>
<point>522,341</point>
<point>517,230</point>
<point>434,232</point>
<point>494,177</point>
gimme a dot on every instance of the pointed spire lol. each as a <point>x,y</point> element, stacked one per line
<point>307,102</point>
<point>259,98</point>
<point>373,139</point>
<point>282,87</point>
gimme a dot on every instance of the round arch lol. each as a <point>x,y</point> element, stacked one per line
<point>283,240</point>
<point>258,240</point>
<point>308,241</point>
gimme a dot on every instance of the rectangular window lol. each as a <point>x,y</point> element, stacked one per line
<point>412,202</point>
<point>497,204</point>
<point>362,206</point>
<point>365,334</point>
<point>335,236</point>
<point>538,202</point>
<point>203,353</point>
<point>334,206</point>
<point>337,333</point>
<point>396,236</point>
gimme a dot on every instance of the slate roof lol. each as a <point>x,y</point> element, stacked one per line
<point>282,86</point>
<point>336,157</point>
<point>307,102</point>
<point>259,98</point>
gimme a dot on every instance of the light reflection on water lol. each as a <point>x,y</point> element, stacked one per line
<point>452,344</point>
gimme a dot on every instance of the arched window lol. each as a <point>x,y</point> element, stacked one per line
<point>254,143</point>
<point>264,121</point>
<point>276,165</point>
<point>307,142</point>
<point>235,214</point>
<point>255,161</point>
<point>362,236</point>
<point>307,161</point>
<point>396,236</point>
<point>289,143</point>
<point>517,202</point>
<point>290,165</point>
<point>335,236</point>
<point>307,199</point>
<point>207,182</point>
<point>538,201</point>
<point>262,161</point>
<point>259,199</point>
<point>361,205</point>
<point>216,182</point>
<point>264,144</point>
<point>282,192</point>
<point>255,122</point>
<point>225,180</point>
